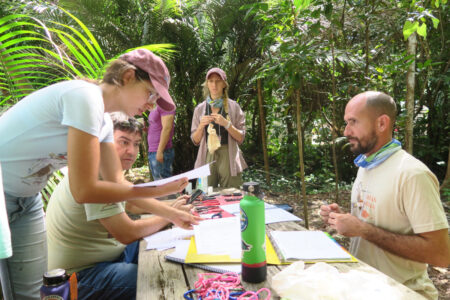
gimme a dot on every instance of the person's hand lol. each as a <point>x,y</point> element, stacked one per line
<point>180,203</point>
<point>219,120</point>
<point>205,120</point>
<point>160,156</point>
<point>175,186</point>
<point>346,224</point>
<point>325,211</point>
<point>185,220</point>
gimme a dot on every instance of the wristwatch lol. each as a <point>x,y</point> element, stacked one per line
<point>228,125</point>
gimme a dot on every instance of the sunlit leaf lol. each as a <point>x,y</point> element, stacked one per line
<point>435,22</point>
<point>409,28</point>
<point>422,30</point>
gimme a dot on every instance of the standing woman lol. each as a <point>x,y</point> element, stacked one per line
<point>68,123</point>
<point>218,127</point>
<point>159,138</point>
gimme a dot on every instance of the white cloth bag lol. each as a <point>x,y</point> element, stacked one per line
<point>324,282</point>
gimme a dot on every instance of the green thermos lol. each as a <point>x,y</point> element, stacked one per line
<point>253,234</point>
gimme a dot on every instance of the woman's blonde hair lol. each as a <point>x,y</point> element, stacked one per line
<point>225,95</point>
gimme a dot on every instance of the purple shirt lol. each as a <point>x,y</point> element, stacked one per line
<point>155,128</point>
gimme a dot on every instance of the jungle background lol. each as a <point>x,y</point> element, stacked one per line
<point>292,65</point>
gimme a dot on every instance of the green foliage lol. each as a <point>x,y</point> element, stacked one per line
<point>287,44</point>
<point>417,19</point>
<point>282,183</point>
<point>37,52</point>
<point>445,195</point>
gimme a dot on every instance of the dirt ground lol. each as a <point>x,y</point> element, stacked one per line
<point>439,276</point>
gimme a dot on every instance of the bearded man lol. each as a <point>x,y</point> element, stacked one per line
<point>397,223</point>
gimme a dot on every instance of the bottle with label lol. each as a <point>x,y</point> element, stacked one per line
<point>56,285</point>
<point>253,234</point>
<point>202,184</point>
<point>199,185</point>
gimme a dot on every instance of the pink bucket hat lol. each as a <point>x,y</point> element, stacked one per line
<point>217,71</point>
<point>157,71</point>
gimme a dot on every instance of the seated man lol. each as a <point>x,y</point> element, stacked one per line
<point>397,223</point>
<point>90,239</point>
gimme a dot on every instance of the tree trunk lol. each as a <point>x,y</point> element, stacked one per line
<point>367,39</point>
<point>344,35</point>
<point>410,85</point>
<point>263,131</point>
<point>333,122</point>
<point>446,181</point>
<point>300,153</point>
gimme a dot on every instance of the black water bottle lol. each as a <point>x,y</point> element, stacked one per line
<point>253,234</point>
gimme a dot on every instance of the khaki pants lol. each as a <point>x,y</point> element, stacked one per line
<point>220,170</point>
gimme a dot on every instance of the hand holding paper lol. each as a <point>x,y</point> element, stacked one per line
<point>202,171</point>
<point>175,186</point>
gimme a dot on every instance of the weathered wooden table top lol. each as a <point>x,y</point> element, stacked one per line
<point>162,279</point>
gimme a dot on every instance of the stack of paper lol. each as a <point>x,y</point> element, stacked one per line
<point>219,241</point>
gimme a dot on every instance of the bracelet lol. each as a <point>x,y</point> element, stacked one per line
<point>228,125</point>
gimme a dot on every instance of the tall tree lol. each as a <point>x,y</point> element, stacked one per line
<point>410,97</point>
<point>334,125</point>
<point>263,130</point>
<point>300,151</point>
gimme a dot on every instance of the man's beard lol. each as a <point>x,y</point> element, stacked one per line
<point>361,147</point>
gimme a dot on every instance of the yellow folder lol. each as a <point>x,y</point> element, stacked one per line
<point>193,257</point>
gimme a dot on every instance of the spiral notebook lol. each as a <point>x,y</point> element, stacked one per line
<point>308,246</point>
<point>181,251</point>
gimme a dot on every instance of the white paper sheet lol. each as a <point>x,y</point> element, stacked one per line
<point>202,171</point>
<point>167,238</point>
<point>235,210</point>
<point>219,236</point>
<point>273,214</point>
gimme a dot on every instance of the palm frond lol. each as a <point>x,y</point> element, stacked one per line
<point>35,53</point>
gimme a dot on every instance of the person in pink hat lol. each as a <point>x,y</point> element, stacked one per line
<point>68,123</point>
<point>218,128</point>
<point>74,230</point>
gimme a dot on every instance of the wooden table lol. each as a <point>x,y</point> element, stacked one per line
<point>161,279</point>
